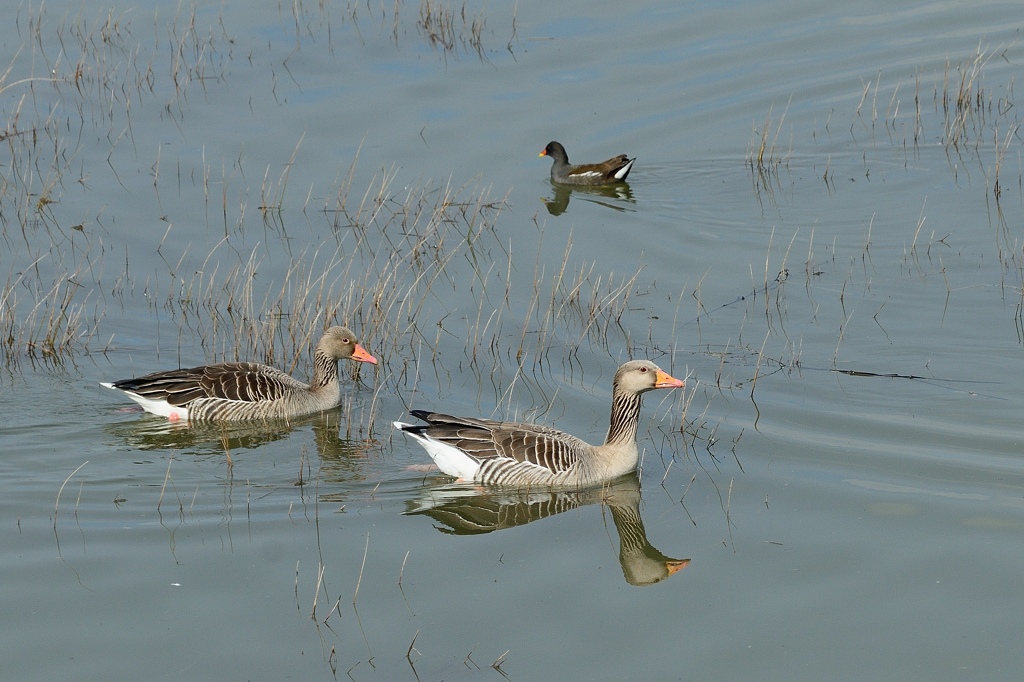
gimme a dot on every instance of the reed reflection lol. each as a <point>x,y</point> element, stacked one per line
<point>461,509</point>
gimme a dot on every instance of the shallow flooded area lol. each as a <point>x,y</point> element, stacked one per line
<point>821,233</point>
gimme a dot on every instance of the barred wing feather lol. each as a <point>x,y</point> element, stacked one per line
<point>247,382</point>
<point>241,381</point>
<point>484,439</point>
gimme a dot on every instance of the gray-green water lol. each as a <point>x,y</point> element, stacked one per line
<point>844,470</point>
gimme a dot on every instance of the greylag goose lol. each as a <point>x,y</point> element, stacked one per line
<point>508,453</point>
<point>247,390</point>
<point>605,173</point>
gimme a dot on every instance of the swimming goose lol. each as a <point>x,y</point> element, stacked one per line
<point>605,173</point>
<point>507,453</point>
<point>247,390</point>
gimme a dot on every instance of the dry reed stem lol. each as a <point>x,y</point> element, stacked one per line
<point>366,551</point>
<point>167,478</point>
<point>316,593</point>
<point>56,505</point>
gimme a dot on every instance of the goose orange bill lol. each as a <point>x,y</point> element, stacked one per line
<point>675,565</point>
<point>666,381</point>
<point>362,355</point>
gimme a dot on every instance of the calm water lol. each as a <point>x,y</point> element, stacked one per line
<point>843,471</point>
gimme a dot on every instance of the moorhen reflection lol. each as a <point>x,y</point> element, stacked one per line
<point>559,201</point>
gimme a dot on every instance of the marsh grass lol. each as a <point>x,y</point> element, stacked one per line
<point>1003,145</point>
<point>450,29</point>
<point>48,309</point>
<point>765,157</point>
<point>970,121</point>
<point>50,303</point>
<point>971,114</point>
<point>966,108</point>
<point>964,100</point>
<point>447,28</point>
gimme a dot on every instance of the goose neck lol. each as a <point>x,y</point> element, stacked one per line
<point>325,370</point>
<point>625,418</point>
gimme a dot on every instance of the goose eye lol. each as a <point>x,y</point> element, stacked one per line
<point>643,369</point>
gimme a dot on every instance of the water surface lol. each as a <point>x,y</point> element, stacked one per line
<point>843,470</point>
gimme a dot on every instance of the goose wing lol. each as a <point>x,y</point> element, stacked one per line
<point>485,439</point>
<point>241,381</point>
<point>247,382</point>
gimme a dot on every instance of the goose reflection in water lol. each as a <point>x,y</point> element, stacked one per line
<point>462,509</point>
<point>616,194</point>
<point>216,438</point>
